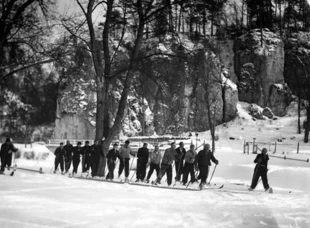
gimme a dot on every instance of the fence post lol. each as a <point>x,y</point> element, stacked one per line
<point>297,147</point>
<point>254,144</point>
<point>275,147</point>
<point>244,147</point>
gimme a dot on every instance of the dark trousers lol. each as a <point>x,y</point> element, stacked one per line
<point>68,163</point>
<point>86,162</point>
<point>111,167</point>
<point>260,171</point>
<point>166,169</point>
<point>141,169</point>
<point>188,168</point>
<point>94,166</point>
<point>8,159</point>
<point>122,165</point>
<point>3,162</point>
<point>178,169</point>
<point>76,163</point>
<point>153,167</point>
<point>203,173</point>
<point>59,161</point>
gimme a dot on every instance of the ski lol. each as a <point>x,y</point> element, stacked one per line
<point>155,185</point>
<point>30,170</point>
<point>101,180</point>
<point>212,188</point>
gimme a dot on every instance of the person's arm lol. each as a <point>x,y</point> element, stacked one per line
<point>139,153</point>
<point>214,159</point>
<point>258,159</point>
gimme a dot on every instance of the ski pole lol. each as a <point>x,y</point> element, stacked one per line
<point>212,175</point>
<point>177,174</point>
<point>135,170</point>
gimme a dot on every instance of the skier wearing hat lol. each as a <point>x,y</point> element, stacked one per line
<point>112,155</point>
<point>179,160</point>
<point>77,152</point>
<point>261,170</point>
<point>189,164</point>
<point>86,157</point>
<point>203,160</point>
<point>59,157</point>
<point>166,164</point>
<point>68,155</point>
<point>5,153</point>
<point>125,153</point>
<point>143,157</point>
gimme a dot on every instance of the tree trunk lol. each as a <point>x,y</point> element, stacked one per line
<point>299,107</point>
<point>307,126</point>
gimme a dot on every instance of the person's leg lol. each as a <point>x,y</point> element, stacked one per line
<point>2,163</point>
<point>127,167</point>
<point>169,174</point>
<point>143,171</point>
<point>112,171</point>
<point>162,172</point>
<point>138,172</point>
<point>185,174</point>
<point>152,167</point>
<point>56,164</point>
<point>265,179</point>
<point>121,167</point>
<point>192,172</point>
<point>177,170</point>
<point>61,162</point>
<point>255,178</point>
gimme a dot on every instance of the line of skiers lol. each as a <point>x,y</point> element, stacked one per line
<point>185,162</point>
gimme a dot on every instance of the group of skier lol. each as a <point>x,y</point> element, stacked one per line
<point>184,162</point>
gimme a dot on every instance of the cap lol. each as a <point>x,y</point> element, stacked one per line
<point>127,141</point>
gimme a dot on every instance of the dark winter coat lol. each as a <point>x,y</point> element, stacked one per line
<point>112,155</point>
<point>6,147</point>
<point>204,158</point>
<point>68,151</point>
<point>77,152</point>
<point>179,153</point>
<point>264,160</point>
<point>143,154</point>
<point>87,151</point>
<point>60,153</point>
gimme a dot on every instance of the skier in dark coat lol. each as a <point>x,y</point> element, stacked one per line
<point>68,155</point>
<point>203,160</point>
<point>86,160</point>
<point>59,158</point>
<point>260,170</point>
<point>5,153</point>
<point>166,164</point>
<point>112,155</point>
<point>179,160</point>
<point>77,152</point>
<point>143,157</point>
<point>95,158</point>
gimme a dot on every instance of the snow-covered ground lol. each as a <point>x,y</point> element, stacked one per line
<point>30,199</point>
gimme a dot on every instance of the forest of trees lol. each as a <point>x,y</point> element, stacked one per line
<point>38,45</point>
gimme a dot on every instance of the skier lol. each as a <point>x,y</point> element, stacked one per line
<point>59,157</point>
<point>179,159</point>
<point>261,170</point>
<point>155,158</point>
<point>6,150</point>
<point>166,164</point>
<point>189,164</point>
<point>112,155</point>
<point>203,160</point>
<point>86,160</point>
<point>68,155</point>
<point>77,152</point>
<point>95,158</point>
<point>143,157</point>
<point>125,153</point>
